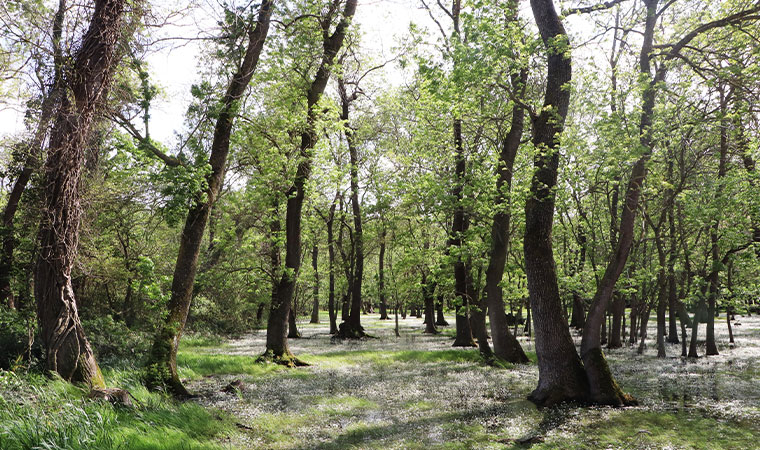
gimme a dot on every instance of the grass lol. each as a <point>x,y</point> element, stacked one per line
<point>412,392</point>
<point>36,412</point>
<point>640,429</point>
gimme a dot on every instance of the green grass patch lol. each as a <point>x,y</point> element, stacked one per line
<point>200,340</point>
<point>194,365</point>
<point>36,412</point>
<point>342,358</point>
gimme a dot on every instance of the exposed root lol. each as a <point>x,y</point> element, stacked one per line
<point>286,359</point>
<point>349,332</point>
<point>464,343</point>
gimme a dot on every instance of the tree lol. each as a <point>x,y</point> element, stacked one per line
<point>162,363</point>
<point>277,344</point>
<point>560,371</point>
<point>67,350</point>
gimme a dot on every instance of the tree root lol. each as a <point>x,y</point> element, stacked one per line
<point>286,359</point>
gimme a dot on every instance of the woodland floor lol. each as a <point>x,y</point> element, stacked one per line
<point>417,391</point>
<point>412,392</point>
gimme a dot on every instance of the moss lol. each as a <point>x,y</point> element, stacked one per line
<point>286,359</point>
<point>603,388</point>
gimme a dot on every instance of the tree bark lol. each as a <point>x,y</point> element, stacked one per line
<point>277,344</point>
<point>505,345</point>
<point>440,318</point>
<point>352,328</point>
<point>618,311</point>
<point>604,388</point>
<point>462,275</point>
<point>428,290</point>
<point>331,310</point>
<point>67,350</point>
<point>381,278</point>
<point>712,348</point>
<point>560,372</point>
<point>315,267</point>
<point>293,332</point>
<point>162,361</point>
<point>34,151</point>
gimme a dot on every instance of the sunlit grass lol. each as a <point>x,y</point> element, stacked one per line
<point>36,412</point>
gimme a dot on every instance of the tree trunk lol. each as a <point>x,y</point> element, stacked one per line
<point>440,318</point>
<point>428,290</point>
<point>662,298</point>
<point>644,324</point>
<point>162,361</point>
<point>331,308</point>
<point>712,348</point>
<point>34,150</point>
<point>462,275</point>
<point>505,345</point>
<point>604,388</point>
<point>67,350</point>
<point>578,318</point>
<point>618,311</point>
<point>695,327</point>
<point>352,328</point>
<point>381,278</point>
<point>315,267</point>
<point>560,372</point>
<point>277,344</point>
<point>293,332</point>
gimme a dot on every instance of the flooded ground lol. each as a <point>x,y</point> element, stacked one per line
<point>416,392</point>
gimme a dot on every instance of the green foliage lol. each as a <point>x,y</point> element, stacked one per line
<point>14,339</point>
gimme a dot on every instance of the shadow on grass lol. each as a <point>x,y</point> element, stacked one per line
<point>460,428</point>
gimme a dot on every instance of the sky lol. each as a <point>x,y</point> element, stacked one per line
<point>174,68</point>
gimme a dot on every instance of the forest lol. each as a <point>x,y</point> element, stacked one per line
<point>379,224</point>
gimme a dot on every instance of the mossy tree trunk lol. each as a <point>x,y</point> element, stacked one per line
<point>162,361</point>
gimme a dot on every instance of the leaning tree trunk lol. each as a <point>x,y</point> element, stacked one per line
<point>162,361</point>
<point>67,350</point>
<point>277,344</point>
<point>604,388</point>
<point>505,345</point>
<point>560,371</point>
<point>34,151</point>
